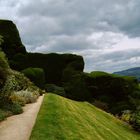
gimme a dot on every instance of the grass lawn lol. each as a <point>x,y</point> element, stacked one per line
<point>63,119</point>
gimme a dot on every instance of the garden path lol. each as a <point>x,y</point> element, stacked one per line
<point>19,127</point>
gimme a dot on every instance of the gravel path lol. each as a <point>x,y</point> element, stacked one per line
<point>19,127</point>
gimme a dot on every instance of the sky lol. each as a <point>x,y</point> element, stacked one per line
<point>105,32</point>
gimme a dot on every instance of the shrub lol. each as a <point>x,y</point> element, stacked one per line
<point>22,81</point>
<point>16,108</point>
<point>101,105</point>
<point>16,82</point>
<point>135,120</point>
<point>74,85</point>
<point>55,89</point>
<point>25,96</point>
<point>113,89</point>
<point>17,99</point>
<point>10,85</point>
<point>3,60</point>
<point>126,116</point>
<point>2,115</point>
<point>36,75</point>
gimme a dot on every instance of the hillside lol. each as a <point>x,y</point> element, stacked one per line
<point>64,119</point>
<point>130,72</point>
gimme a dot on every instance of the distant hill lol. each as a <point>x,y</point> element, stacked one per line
<point>63,119</point>
<point>130,72</point>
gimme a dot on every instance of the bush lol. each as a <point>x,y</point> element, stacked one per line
<point>25,96</point>
<point>113,89</point>
<point>135,120</point>
<point>2,115</point>
<point>36,75</point>
<point>101,105</point>
<point>17,99</point>
<point>55,89</point>
<point>16,108</point>
<point>3,61</point>
<point>126,116</point>
<point>16,82</point>
<point>74,85</point>
<point>4,67</point>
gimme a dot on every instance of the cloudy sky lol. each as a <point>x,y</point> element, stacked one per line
<point>105,32</point>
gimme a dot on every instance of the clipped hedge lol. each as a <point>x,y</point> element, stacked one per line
<point>74,85</point>
<point>12,43</point>
<point>53,64</point>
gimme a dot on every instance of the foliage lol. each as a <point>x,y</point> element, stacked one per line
<point>3,61</point>
<point>24,96</point>
<point>4,67</point>
<point>74,85</point>
<point>17,99</point>
<point>15,108</point>
<point>14,82</point>
<point>101,105</point>
<point>1,40</point>
<point>98,74</point>
<point>12,43</point>
<point>112,89</point>
<point>4,114</point>
<point>63,119</point>
<point>55,89</point>
<point>126,116</point>
<point>53,64</point>
<point>36,75</point>
<point>135,120</point>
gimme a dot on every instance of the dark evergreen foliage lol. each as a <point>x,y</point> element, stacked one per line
<point>36,75</point>
<point>112,89</point>
<point>53,64</point>
<point>12,43</point>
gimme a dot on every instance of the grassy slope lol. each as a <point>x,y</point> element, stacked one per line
<point>64,119</point>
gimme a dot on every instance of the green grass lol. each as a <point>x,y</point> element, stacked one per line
<point>63,119</point>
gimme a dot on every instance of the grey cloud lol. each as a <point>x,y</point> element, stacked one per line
<point>88,15</point>
<point>89,28</point>
<point>112,61</point>
<point>121,55</point>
